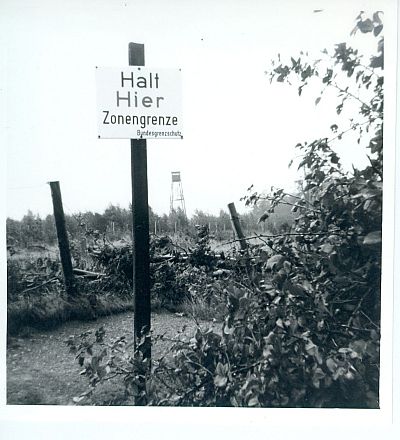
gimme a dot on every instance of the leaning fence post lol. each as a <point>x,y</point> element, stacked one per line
<point>63,244</point>
<point>237,227</point>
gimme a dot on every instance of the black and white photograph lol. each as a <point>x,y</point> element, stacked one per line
<point>199,208</point>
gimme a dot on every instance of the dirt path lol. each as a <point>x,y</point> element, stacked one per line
<point>42,371</point>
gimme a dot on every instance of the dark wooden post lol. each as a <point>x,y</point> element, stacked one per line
<point>62,236</point>
<point>140,236</point>
<point>237,227</point>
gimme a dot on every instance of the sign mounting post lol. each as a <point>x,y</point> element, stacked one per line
<point>140,233</point>
<point>139,103</point>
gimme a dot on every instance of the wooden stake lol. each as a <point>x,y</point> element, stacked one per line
<point>237,227</point>
<point>62,236</point>
<point>140,217</point>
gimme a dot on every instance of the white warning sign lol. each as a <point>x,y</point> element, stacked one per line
<point>139,103</point>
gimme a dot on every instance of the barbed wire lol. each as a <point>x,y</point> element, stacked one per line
<point>26,187</point>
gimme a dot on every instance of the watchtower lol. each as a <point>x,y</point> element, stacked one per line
<point>177,199</point>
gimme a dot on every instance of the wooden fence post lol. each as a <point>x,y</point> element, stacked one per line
<point>63,244</point>
<point>237,227</point>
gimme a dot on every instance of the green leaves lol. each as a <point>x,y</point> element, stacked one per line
<point>373,239</point>
<point>313,350</point>
<point>221,375</point>
<point>318,375</point>
<point>328,76</point>
<point>282,72</point>
<point>275,262</point>
<point>365,26</point>
<point>307,72</point>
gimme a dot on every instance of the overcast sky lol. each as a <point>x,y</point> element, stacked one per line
<point>239,129</point>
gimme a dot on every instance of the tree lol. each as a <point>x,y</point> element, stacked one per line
<point>118,220</point>
<point>49,229</point>
<point>31,229</point>
<point>13,232</point>
<point>164,224</point>
<point>224,225</point>
<point>177,220</point>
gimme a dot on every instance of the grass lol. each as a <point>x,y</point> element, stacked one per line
<point>200,309</point>
<point>53,308</point>
<point>32,253</point>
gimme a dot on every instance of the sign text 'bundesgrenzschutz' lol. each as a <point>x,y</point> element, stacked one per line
<point>139,103</point>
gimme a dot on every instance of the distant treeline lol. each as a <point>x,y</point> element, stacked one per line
<point>116,223</point>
